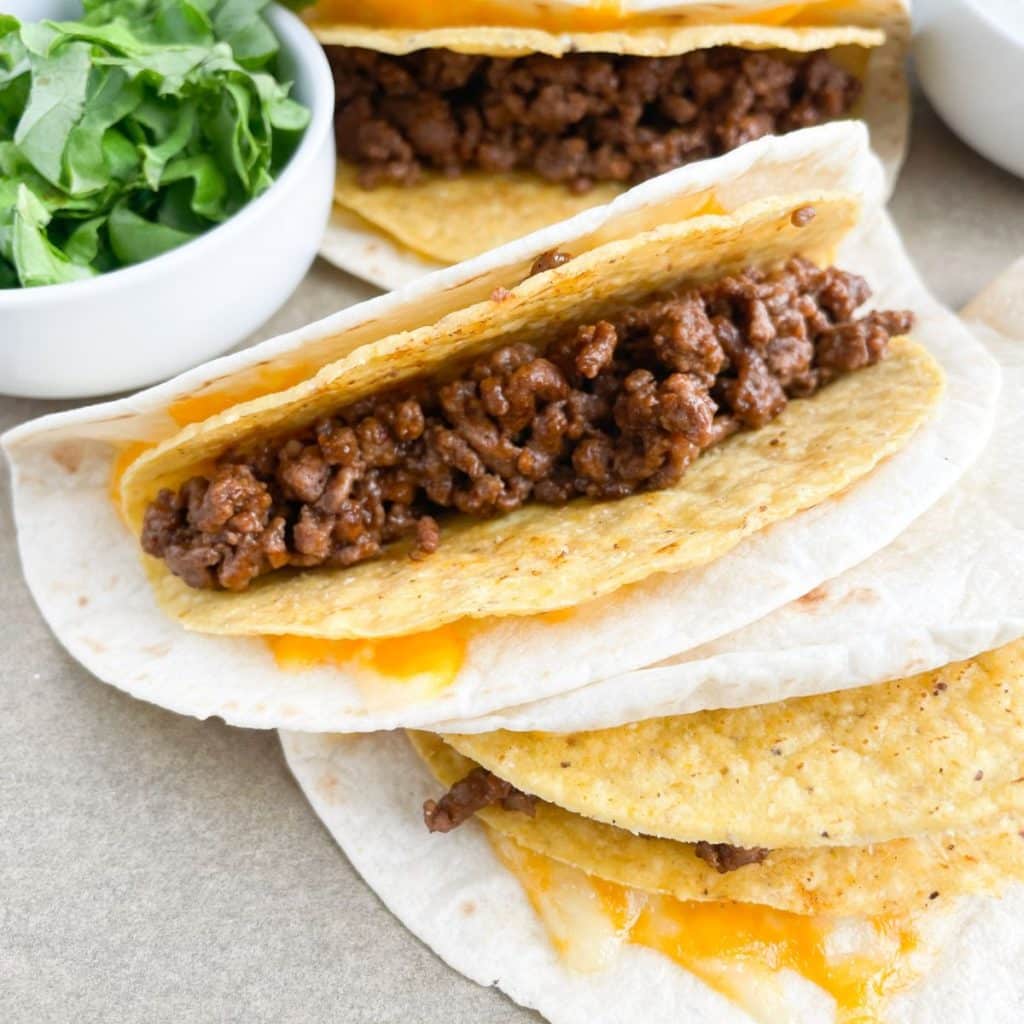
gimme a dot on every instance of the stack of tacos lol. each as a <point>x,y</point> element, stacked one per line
<point>681,533</point>
<point>548,109</point>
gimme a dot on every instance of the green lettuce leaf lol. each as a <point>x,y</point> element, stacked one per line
<point>133,130</point>
<point>56,101</point>
<point>36,259</point>
<point>134,239</point>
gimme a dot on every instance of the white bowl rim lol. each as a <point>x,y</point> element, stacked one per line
<point>985,13</point>
<point>302,47</point>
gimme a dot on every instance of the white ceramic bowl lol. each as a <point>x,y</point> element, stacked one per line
<point>970,59</point>
<point>142,324</point>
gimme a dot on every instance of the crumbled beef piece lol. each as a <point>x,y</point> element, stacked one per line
<point>803,216</point>
<point>575,119</point>
<point>602,411</point>
<point>725,858</point>
<point>428,537</point>
<point>548,261</point>
<point>479,789</point>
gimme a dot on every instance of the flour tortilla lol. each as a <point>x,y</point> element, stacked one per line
<point>948,588</point>
<point>362,239</point>
<point>368,789</point>
<point>454,895</point>
<point>102,609</point>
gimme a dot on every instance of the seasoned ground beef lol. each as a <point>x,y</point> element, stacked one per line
<point>479,789</point>
<point>725,858</point>
<point>576,119</point>
<point>605,410</point>
<point>482,788</point>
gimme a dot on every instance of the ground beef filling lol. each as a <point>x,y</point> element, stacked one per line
<point>606,410</point>
<point>725,858</point>
<point>482,788</point>
<point>479,789</point>
<point>576,119</point>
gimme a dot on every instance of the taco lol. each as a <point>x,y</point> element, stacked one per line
<point>635,410</point>
<point>356,646</point>
<point>806,860</point>
<point>510,117</point>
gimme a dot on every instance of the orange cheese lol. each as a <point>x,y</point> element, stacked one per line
<point>125,456</point>
<point>711,207</point>
<point>598,16</point>
<point>734,948</point>
<point>262,381</point>
<point>557,615</point>
<point>436,656</point>
<point>700,936</point>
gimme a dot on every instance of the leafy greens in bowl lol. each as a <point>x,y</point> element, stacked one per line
<point>133,130</point>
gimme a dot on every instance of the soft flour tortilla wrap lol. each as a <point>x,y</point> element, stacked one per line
<point>390,234</point>
<point>109,619</point>
<point>905,610</point>
<point>877,824</point>
<point>925,770</point>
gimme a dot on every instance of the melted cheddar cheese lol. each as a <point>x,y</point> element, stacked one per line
<point>431,660</point>
<point>123,458</point>
<point>740,950</point>
<point>262,381</point>
<point>597,16</point>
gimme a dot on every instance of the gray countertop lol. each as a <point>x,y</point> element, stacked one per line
<point>155,868</point>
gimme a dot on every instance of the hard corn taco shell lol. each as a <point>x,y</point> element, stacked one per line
<point>659,41</point>
<point>355,244</point>
<point>542,559</point>
<point>389,234</point>
<point>894,877</point>
<point>82,564</point>
<point>935,752</point>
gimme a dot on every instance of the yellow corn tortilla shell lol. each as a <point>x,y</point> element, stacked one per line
<point>940,751</point>
<point>539,558</point>
<point>454,219</point>
<point>482,211</point>
<point>656,41</point>
<point>887,878</point>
